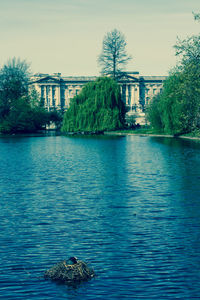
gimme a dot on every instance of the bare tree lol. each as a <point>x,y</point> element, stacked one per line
<point>113,57</point>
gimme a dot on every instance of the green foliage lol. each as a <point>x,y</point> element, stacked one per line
<point>177,109</point>
<point>97,108</point>
<point>196,16</point>
<point>14,78</point>
<point>153,114</point>
<point>24,118</point>
<point>188,49</point>
<point>20,109</point>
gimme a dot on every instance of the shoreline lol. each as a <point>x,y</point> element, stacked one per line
<point>151,135</point>
<point>46,133</point>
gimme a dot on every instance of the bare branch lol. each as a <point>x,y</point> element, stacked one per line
<point>113,57</point>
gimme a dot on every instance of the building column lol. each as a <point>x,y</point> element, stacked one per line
<point>53,96</point>
<point>123,93</point>
<point>47,97</point>
<point>57,96</point>
<point>137,96</point>
<point>66,97</point>
<point>62,96</point>
<point>126,93</point>
<point>50,96</point>
<point>44,95</point>
<point>42,98</point>
<point>132,87</point>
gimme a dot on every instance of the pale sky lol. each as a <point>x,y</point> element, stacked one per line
<point>66,35</point>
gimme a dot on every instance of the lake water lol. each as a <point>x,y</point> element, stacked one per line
<point>130,206</point>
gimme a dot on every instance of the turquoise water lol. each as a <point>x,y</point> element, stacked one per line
<point>130,206</point>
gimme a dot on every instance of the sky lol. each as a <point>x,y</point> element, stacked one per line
<point>66,36</point>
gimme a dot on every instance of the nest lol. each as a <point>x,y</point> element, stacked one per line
<point>70,272</point>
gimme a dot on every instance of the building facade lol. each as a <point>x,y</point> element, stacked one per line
<point>56,91</point>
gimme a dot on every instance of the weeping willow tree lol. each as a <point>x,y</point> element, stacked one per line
<point>97,108</point>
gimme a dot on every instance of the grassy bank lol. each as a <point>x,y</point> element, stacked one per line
<point>147,131</point>
<point>141,130</point>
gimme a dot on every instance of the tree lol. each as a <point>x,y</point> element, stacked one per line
<point>153,113</point>
<point>189,49</point>
<point>113,57</point>
<point>24,118</point>
<point>177,109</point>
<point>97,108</point>
<point>20,109</point>
<point>196,16</point>
<point>14,79</point>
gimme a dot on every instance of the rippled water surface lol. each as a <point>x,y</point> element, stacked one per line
<point>128,205</point>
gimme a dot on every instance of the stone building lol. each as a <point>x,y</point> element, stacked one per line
<point>56,91</point>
